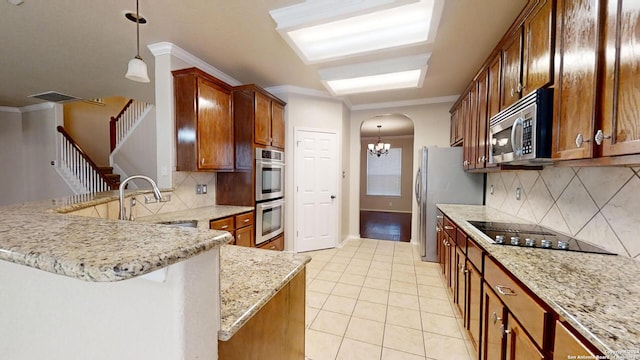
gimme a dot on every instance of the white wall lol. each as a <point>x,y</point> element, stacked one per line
<point>28,146</point>
<point>137,154</point>
<point>311,112</point>
<point>431,128</point>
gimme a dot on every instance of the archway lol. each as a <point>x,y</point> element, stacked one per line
<point>386,180</point>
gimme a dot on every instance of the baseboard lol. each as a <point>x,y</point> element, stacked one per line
<point>387,211</point>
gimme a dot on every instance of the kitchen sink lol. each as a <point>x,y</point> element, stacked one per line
<point>181,223</point>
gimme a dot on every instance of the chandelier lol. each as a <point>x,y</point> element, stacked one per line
<point>379,148</point>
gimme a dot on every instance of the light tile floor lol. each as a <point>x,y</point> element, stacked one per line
<point>375,299</point>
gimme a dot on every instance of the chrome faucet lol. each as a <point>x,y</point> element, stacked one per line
<point>156,194</point>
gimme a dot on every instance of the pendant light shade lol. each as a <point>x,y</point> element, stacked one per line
<point>137,69</point>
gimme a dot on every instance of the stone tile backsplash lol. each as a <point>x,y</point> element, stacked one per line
<point>183,197</point>
<point>600,205</point>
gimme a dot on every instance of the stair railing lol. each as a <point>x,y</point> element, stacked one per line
<point>74,159</point>
<point>121,124</point>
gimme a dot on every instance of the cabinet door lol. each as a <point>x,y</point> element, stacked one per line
<point>483,120</point>
<point>468,148</point>
<point>493,326</point>
<point>245,237</point>
<point>493,106</point>
<point>447,260</point>
<point>620,111</point>
<point>215,127</point>
<point>440,246</point>
<point>473,301</point>
<point>262,133</point>
<point>277,125</point>
<point>567,345</point>
<point>519,346</point>
<point>512,69</point>
<point>575,92</point>
<point>460,281</point>
<point>538,50</point>
<point>453,131</point>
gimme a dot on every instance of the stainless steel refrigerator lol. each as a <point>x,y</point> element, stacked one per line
<point>441,180</point>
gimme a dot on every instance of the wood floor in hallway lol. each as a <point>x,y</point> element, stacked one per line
<point>385,225</point>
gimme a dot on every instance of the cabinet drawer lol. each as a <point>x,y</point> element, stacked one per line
<point>243,220</point>
<point>566,345</point>
<point>225,224</point>
<point>275,244</point>
<point>461,241</point>
<point>450,228</point>
<point>524,307</point>
<point>474,254</point>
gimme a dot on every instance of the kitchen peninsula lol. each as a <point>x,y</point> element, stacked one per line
<point>168,304</point>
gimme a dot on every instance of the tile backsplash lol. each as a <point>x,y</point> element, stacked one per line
<point>600,205</point>
<point>183,197</point>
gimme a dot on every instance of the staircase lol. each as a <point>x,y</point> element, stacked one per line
<point>79,171</point>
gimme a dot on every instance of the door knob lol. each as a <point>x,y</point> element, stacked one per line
<point>333,197</point>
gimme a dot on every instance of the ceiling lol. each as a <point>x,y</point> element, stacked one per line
<point>81,48</point>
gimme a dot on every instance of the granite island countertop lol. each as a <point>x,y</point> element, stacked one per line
<point>597,294</point>
<point>202,215</point>
<point>43,235</point>
<point>249,278</point>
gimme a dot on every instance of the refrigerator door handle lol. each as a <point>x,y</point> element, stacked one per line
<point>418,190</point>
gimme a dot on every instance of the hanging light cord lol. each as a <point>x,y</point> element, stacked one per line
<point>137,32</point>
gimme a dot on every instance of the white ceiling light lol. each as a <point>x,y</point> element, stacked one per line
<point>137,69</point>
<point>330,35</point>
<point>398,73</point>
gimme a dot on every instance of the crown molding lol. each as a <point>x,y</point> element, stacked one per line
<point>9,109</point>
<point>406,103</point>
<point>167,48</point>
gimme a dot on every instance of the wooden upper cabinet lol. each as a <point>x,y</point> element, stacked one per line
<point>482,154</point>
<point>456,133</point>
<point>538,48</point>
<point>512,69</point>
<point>619,133</point>
<point>277,125</point>
<point>575,80</point>
<point>204,123</point>
<point>467,142</point>
<point>493,101</point>
<point>268,116</point>
<point>262,133</point>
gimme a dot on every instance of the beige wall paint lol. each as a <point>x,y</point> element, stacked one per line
<point>431,128</point>
<point>88,125</point>
<point>389,203</point>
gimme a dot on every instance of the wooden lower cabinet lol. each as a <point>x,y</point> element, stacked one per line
<point>519,345</point>
<point>276,332</point>
<point>567,345</point>
<point>473,302</point>
<point>274,244</point>
<point>240,227</point>
<point>460,280</point>
<point>493,326</point>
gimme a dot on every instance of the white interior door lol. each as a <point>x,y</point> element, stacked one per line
<point>316,179</point>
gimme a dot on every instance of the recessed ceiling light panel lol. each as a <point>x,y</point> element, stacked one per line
<point>399,26</point>
<point>398,73</point>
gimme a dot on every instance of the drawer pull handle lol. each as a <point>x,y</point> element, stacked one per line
<point>224,227</point>
<point>505,290</point>
<point>246,220</point>
<point>447,227</point>
<point>439,217</point>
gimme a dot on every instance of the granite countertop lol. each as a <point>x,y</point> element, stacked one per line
<point>41,235</point>
<point>597,294</point>
<point>249,278</point>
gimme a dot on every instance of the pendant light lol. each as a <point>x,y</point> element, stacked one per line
<point>137,70</point>
<point>379,148</point>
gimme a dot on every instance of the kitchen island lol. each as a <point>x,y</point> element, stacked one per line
<point>105,306</point>
<point>595,294</point>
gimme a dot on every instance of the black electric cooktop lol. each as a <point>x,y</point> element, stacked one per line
<point>533,236</point>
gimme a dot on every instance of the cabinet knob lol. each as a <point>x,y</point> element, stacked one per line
<point>495,318</point>
<point>447,227</point>
<point>504,331</point>
<point>580,139</point>
<point>600,136</point>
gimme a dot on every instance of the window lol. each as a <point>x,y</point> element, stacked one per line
<point>383,173</point>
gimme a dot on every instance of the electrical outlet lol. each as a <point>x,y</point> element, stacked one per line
<point>204,189</point>
<point>518,193</point>
<point>491,189</point>
<point>198,189</point>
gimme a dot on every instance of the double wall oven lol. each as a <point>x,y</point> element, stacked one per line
<point>269,194</point>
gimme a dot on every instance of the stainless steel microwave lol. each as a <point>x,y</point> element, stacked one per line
<point>521,133</point>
